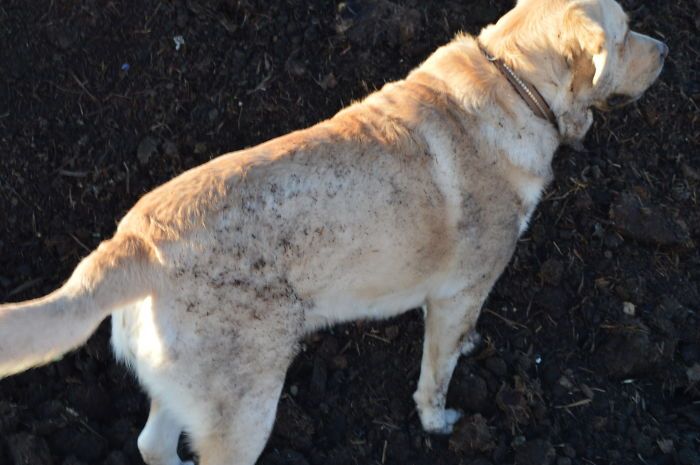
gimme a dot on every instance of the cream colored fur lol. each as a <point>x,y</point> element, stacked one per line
<point>413,197</point>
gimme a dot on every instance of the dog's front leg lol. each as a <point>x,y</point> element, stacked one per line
<point>449,332</point>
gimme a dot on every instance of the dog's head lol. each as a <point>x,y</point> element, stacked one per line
<point>580,54</point>
<point>612,65</point>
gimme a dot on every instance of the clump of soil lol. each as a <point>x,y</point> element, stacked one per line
<point>592,341</point>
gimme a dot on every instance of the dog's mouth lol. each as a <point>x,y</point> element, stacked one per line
<point>615,101</point>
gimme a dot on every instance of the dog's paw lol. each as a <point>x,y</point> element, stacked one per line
<point>439,421</point>
<point>470,342</point>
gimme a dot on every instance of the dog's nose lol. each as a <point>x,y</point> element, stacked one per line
<point>663,50</point>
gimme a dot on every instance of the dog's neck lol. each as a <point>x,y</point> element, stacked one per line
<point>527,91</point>
<point>554,81</point>
<point>532,140</point>
<point>505,123</point>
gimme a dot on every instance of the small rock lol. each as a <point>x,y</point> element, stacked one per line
<point>284,457</point>
<point>539,410</point>
<point>398,449</point>
<point>514,403</point>
<point>146,149</point>
<point>690,353</point>
<point>311,33</point>
<point>535,452</point>
<point>319,377</point>
<point>694,373</point>
<point>328,82</point>
<point>409,25</point>
<point>27,449</point>
<point>391,332</point>
<point>90,400</point>
<point>553,299</point>
<point>648,224</point>
<point>566,383</point>
<point>628,308</point>
<point>569,451</point>
<point>294,424</point>
<point>170,148</point>
<point>551,271</point>
<point>85,445</point>
<point>665,445</point>
<point>634,350</point>
<point>613,241</point>
<point>179,41</point>
<point>9,416</point>
<point>62,38</point>
<point>295,67</point>
<point>551,374</point>
<point>471,434</point>
<point>339,362</point>
<point>200,148</point>
<point>397,409</point>
<point>587,391</point>
<point>539,233</point>
<point>690,172</point>
<point>121,431</point>
<point>583,200</point>
<point>480,461</point>
<point>182,17</point>
<point>599,423</point>
<point>369,23</point>
<point>470,393</point>
<point>688,456</point>
<point>692,413</point>
<point>116,457</point>
<point>72,460</point>
<point>336,428</point>
<point>329,347</point>
<point>499,454</point>
<point>497,366</point>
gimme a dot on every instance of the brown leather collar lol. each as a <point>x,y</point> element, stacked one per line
<point>527,91</point>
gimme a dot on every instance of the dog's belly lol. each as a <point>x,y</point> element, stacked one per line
<point>339,306</point>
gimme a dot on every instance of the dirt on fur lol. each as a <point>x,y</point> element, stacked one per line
<point>592,335</point>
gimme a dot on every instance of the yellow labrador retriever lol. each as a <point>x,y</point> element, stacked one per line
<point>415,196</point>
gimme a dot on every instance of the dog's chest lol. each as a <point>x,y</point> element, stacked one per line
<point>529,191</point>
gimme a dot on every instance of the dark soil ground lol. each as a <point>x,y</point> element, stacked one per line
<point>592,336</point>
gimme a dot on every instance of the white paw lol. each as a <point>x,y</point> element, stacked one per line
<point>439,421</point>
<point>471,342</point>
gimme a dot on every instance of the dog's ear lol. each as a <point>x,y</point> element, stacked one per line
<point>585,41</point>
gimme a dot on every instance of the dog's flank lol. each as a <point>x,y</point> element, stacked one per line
<point>414,197</point>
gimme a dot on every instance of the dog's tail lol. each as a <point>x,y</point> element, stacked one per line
<point>41,330</point>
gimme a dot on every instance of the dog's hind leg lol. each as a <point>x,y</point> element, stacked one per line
<point>243,425</point>
<point>220,371</point>
<point>158,440</point>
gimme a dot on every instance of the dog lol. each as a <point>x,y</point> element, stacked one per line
<point>413,197</point>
